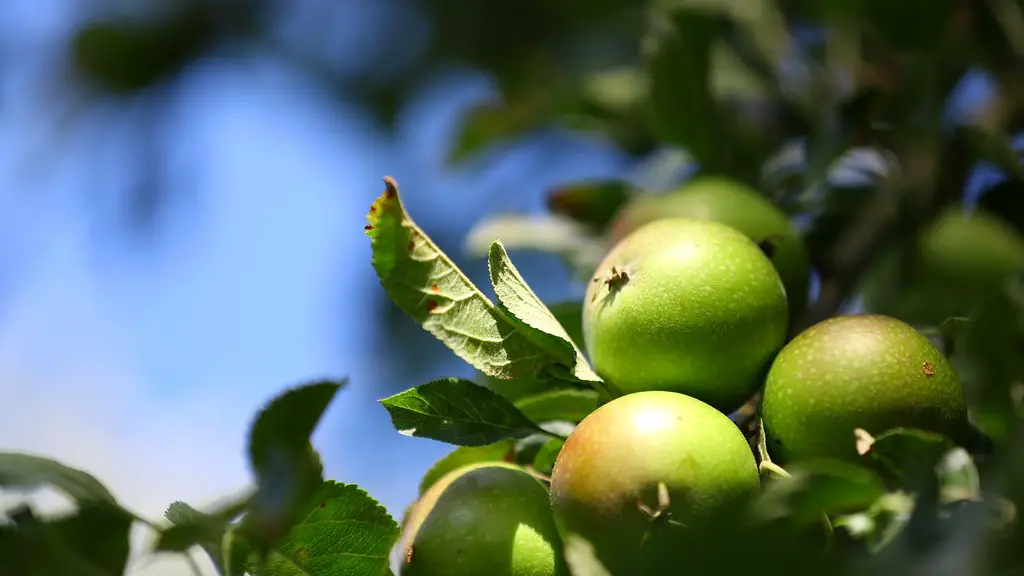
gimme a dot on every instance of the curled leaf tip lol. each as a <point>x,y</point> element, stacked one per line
<point>390,187</point>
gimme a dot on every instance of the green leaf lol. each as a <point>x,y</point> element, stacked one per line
<point>488,123</point>
<point>422,281</point>
<point>682,110</point>
<point>26,471</point>
<point>574,243</point>
<point>822,487</point>
<point>288,469</point>
<point>593,202</point>
<point>347,533</point>
<point>458,412</point>
<point>544,460</point>
<point>567,404</point>
<point>581,557</point>
<point>465,455</point>
<point>92,541</point>
<point>535,319</point>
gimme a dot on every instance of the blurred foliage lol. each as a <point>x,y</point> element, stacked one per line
<point>839,111</point>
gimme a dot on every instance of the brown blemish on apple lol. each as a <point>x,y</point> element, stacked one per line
<point>928,368</point>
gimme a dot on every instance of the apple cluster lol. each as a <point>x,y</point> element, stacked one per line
<point>691,315</point>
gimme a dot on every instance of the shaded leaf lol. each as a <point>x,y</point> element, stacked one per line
<point>464,455</point>
<point>489,123</point>
<point>593,202</point>
<point>92,541</point>
<point>682,111</point>
<point>422,281</point>
<point>909,454</point>
<point>458,412</point>
<point>523,306</point>
<point>822,487</point>
<point>347,533</point>
<point>25,471</point>
<point>567,404</point>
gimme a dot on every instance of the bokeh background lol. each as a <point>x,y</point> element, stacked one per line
<point>183,186</point>
<point>178,247</point>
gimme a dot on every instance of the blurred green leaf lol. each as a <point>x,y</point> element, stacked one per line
<point>682,110</point>
<point>458,412</point>
<point>92,541</point>
<point>822,487</point>
<point>907,453</point>
<point>288,470</point>
<point>575,243</point>
<point>988,359</point>
<point>489,123</point>
<point>592,202</point>
<point>25,471</point>
<point>501,450</point>
<point>128,56</point>
<point>909,24</point>
<point>880,524</point>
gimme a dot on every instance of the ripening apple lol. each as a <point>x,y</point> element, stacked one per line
<point>649,479</point>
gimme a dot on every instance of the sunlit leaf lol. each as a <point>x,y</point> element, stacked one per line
<point>347,533</point>
<point>424,282</point>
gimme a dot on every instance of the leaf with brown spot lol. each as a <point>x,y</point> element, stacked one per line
<point>456,313</point>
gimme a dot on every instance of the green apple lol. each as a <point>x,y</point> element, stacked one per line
<point>857,371</point>
<point>960,259</point>
<point>648,478</point>
<point>687,306</point>
<point>487,518</point>
<point>735,204</point>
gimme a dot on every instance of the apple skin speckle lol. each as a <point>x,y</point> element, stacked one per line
<point>857,371</point>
